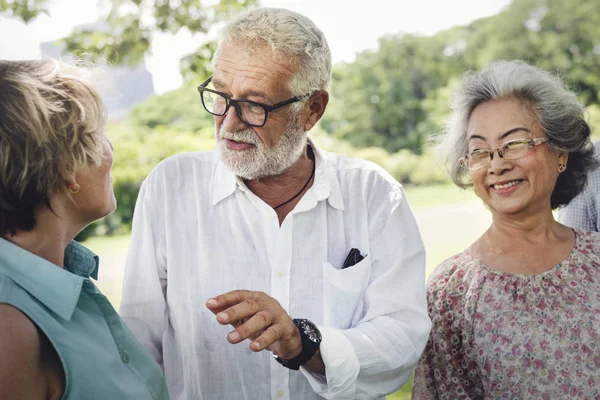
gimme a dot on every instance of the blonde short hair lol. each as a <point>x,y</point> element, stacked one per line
<point>51,125</point>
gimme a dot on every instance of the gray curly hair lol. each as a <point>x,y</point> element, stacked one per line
<point>555,107</point>
<point>288,34</point>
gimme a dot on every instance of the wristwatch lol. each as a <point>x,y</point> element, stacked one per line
<point>311,340</point>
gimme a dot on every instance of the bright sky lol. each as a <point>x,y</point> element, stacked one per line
<point>349,25</point>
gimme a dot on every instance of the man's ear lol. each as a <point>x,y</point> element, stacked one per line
<point>317,104</point>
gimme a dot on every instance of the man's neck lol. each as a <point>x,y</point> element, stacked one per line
<point>275,190</point>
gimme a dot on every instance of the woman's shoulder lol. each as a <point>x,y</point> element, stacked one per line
<point>587,241</point>
<point>19,344</point>
<point>453,270</point>
<point>17,328</point>
<point>453,277</point>
<point>587,247</point>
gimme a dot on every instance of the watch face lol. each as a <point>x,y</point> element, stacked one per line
<point>311,331</point>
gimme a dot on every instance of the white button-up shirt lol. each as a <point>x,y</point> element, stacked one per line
<point>198,232</point>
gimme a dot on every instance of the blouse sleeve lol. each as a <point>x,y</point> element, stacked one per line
<point>447,369</point>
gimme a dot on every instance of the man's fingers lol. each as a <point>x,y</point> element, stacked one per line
<point>240,311</point>
<point>267,338</point>
<point>223,301</point>
<point>258,317</point>
<point>252,328</point>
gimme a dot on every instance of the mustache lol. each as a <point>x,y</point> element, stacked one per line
<point>245,136</point>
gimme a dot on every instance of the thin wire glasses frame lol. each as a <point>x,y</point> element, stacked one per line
<point>250,112</point>
<point>511,150</point>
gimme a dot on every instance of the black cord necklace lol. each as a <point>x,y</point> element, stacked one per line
<point>303,187</point>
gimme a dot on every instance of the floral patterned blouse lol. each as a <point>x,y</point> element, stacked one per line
<point>504,336</point>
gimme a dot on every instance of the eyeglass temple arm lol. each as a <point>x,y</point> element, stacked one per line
<point>206,82</point>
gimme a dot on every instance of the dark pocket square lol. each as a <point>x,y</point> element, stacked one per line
<point>354,257</point>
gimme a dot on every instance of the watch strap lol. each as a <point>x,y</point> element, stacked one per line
<point>311,341</point>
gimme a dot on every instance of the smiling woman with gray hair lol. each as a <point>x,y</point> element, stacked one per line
<point>515,315</point>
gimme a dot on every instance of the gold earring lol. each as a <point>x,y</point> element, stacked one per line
<point>74,188</point>
<point>561,167</point>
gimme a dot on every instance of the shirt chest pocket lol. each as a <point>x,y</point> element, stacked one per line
<point>343,293</point>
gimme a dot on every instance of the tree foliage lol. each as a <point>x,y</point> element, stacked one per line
<point>178,110</point>
<point>25,10</point>
<point>128,28</point>
<point>131,24</point>
<point>394,97</point>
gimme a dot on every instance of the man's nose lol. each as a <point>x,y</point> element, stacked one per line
<point>232,122</point>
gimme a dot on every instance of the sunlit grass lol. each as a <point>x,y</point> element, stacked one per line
<point>404,393</point>
<point>434,195</point>
<point>108,244</point>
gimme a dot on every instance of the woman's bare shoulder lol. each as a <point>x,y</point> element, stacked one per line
<point>20,364</point>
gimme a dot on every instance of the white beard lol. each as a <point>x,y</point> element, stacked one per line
<point>258,162</point>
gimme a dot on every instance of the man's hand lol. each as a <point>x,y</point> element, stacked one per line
<point>260,318</point>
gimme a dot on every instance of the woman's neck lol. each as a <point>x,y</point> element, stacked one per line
<point>48,239</point>
<point>533,228</point>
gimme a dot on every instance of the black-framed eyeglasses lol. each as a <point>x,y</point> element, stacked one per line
<point>510,150</point>
<point>250,112</point>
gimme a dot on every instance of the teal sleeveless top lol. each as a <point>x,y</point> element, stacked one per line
<point>100,357</point>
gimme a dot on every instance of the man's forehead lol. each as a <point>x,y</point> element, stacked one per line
<point>235,67</point>
<point>254,55</point>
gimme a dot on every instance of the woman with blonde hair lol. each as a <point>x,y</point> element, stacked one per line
<point>59,336</point>
<point>517,314</point>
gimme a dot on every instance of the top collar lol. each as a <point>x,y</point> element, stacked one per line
<point>57,288</point>
<point>325,186</point>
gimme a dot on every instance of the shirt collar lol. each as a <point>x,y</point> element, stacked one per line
<point>326,184</point>
<point>56,288</point>
<point>224,182</point>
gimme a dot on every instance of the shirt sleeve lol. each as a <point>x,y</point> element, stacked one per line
<point>576,214</point>
<point>446,371</point>
<point>143,305</point>
<point>376,356</point>
<point>583,211</point>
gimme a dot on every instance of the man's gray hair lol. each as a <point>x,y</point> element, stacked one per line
<point>288,34</point>
<point>555,107</point>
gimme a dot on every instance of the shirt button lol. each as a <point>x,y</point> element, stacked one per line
<point>280,274</point>
<point>271,216</point>
<point>125,357</point>
<point>280,393</point>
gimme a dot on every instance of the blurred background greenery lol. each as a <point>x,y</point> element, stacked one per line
<point>385,106</point>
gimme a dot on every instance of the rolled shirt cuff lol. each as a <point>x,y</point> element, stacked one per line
<point>341,366</point>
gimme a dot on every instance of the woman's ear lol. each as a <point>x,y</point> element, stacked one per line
<point>562,160</point>
<point>71,184</point>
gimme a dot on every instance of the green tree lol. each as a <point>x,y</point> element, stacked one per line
<point>397,96</point>
<point>178,110</point>
<point>131,24</point>
<point>556,35</point>
<point>25,10</point>
<point>378,99</point>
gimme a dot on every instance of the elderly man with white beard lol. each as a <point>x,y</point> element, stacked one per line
<point>269,268</point>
